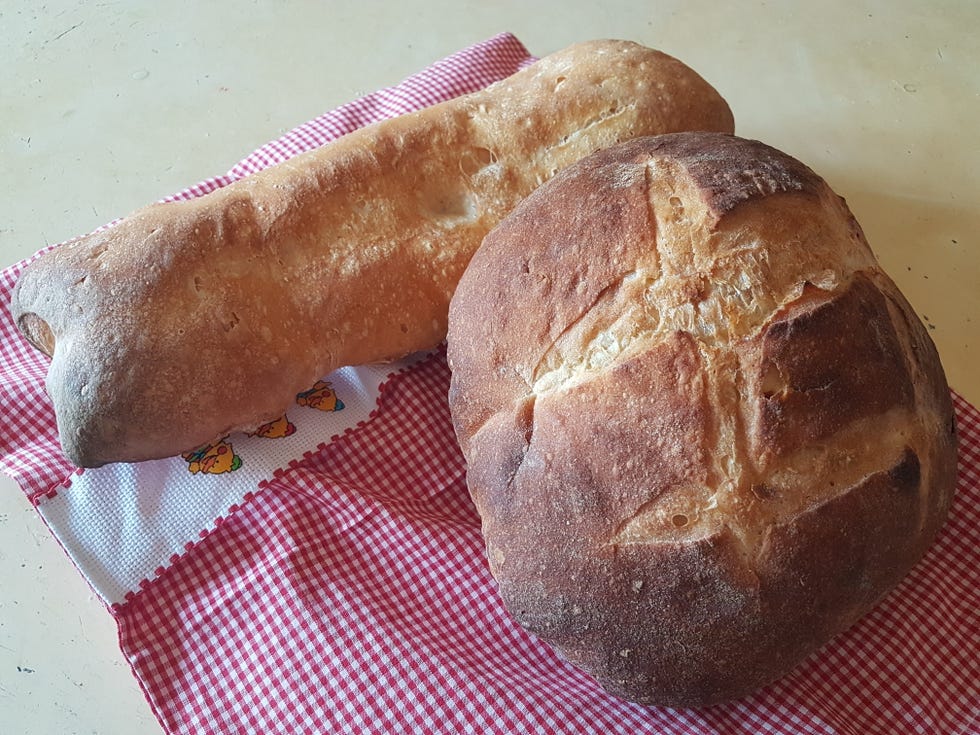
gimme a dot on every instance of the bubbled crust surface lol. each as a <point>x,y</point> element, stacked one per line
<point>704,430</point>
<point>192,319</point>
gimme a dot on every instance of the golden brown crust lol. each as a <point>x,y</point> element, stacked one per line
<point>705,432</point>
<point>191,319</point>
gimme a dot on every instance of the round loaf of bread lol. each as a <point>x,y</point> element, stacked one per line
<point>704,430</point>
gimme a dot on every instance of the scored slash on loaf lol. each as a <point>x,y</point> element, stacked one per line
<point>189,320</point>
<point>704,430</point>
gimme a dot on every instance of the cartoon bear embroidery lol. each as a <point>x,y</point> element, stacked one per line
<point>219,457</point>
<point>321,397</point>
<point>277,429</point>
<point>213,459</point>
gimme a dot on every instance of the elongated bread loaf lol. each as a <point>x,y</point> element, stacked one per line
<point>704,430</point>
<point>190,320</point>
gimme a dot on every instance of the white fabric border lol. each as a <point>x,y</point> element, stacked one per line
<point>122,522</point>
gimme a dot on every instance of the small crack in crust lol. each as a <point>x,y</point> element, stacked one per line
<point>740,436</point>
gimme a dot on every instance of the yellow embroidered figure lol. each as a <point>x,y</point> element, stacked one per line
<point>213,459</point>
<point>276,429</point>
<point>321,397</point>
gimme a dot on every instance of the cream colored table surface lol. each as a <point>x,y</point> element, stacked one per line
<point>105,107</point>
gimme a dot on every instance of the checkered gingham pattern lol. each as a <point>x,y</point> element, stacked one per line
<point>350,592</point>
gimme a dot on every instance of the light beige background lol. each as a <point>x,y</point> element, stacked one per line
<point>105,107</point>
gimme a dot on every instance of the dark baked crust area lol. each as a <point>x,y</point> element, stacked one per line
<point>728,172</point>
<point>704,431</point>
<point>823,594</point>
<point>657,624</point>
<point>676,623</point>
<point>827,365</point>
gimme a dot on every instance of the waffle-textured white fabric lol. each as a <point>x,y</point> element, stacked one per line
<point>335,581</point>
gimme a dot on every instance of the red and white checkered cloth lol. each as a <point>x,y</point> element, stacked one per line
<point>348,591</point>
